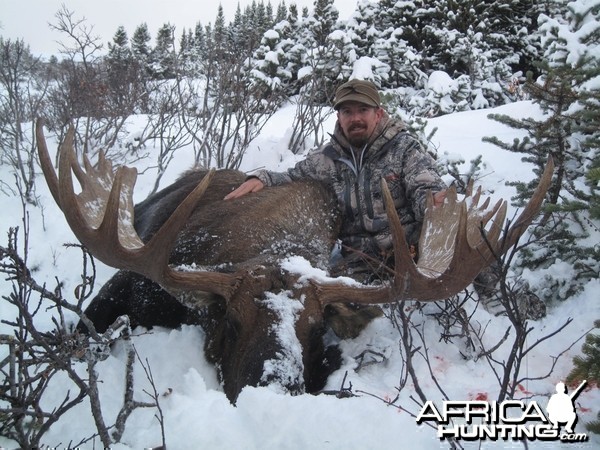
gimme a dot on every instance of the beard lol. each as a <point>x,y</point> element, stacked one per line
<point>357,135</point>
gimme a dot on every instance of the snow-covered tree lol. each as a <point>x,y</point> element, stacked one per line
<point>281,13</point>
<point>123,75</point>
<point>238,31</point>
<point>482,40</point>
<point>587,367</point>
<point>271,65</point>
<point>465,38</point>
<point>401,59</point>
<point>570,86</point>
<point>140,47</point>
<point>163,57</point>
<point>362,29</point>
<point>323,20</point>
<point>187,52</point>
<point>568,93</point>
<point>201,37</point>
<point>119,50</point>
<point>297,51</point>
<point>120,56</point>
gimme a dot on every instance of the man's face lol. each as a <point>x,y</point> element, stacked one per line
<point>358,121</point>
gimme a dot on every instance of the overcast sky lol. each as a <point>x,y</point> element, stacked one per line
<point>28,19</point>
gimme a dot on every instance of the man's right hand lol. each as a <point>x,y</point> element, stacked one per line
<point>250,185</point>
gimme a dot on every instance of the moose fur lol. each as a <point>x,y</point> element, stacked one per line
<point>252,232</point>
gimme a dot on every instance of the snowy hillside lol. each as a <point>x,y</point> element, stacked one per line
<point>198,415</point>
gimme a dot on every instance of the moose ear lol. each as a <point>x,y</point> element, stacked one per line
<point>348,320</point>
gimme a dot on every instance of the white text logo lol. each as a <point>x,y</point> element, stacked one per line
<point>510,419</point>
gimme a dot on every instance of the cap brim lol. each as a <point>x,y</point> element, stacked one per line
<point>355,97</point>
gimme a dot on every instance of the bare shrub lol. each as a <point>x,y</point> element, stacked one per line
<point>39,354</point>
<point>22,91</point>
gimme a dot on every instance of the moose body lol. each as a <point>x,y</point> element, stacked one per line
<point>252,233</point>
<point>191,257</point>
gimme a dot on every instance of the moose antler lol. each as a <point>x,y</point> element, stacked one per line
<point>454,247</point>
<point>101,217</point>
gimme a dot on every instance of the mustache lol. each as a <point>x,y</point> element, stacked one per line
<point>357,126</point>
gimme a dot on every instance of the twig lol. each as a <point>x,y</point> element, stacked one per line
<point>155,397</point>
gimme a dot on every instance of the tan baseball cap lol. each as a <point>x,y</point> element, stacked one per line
<point>361,91</point>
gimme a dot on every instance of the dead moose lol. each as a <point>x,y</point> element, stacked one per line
<point>188,257</point>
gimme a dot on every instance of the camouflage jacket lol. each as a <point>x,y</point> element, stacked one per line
<point>355,176</point>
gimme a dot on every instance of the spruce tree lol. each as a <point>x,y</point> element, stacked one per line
<point>568,131</point>
<point>188,56</point>
<point>514,32</point>
<point>281,13</point>
<point>201,49</point>
<point>163,57</point>
<point>324,20</point>
<point>140,47</point>
<point>470,39</point>
<point>119,54</point>
<point>292,16</point>
<point>362,27</point>
<point>384,30</point>
<point>218,60</point>
<point>123,79</point>
<point>270,64</point>
<point>593,179</point>
<point>238,30</point>
<point>587,367</point>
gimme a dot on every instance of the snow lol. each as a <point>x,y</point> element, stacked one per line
<point>271,34</point>
<point>459,137</point>
<point>363,68</point>
<point>440,82</point>
<point>197,413</point>
<point>286,367</point>
<point>574,45</point>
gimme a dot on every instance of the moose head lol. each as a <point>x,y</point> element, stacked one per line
<point>187,256</point>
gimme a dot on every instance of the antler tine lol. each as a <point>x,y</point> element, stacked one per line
<point>530,211</point>
<point>479,217</point>
<point>493,235</point>
<point>101,174</point>
<point>406,269</point>
<point>460,256</point>
<point>46,161</point>
<point>89,213</point>
<point>490,245</point>
<point>469,192</point>
<point>469,189</point>
<point>101,217</point>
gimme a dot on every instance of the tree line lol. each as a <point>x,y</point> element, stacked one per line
<point>212,88</point>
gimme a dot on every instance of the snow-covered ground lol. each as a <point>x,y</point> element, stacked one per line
<point>197,413</point>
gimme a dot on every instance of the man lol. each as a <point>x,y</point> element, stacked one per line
<point>366,145</point>
<point>560,408</point>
